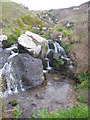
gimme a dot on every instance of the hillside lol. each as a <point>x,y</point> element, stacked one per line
<point>72,23</point>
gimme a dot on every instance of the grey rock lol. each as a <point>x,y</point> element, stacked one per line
<point>25,68</point>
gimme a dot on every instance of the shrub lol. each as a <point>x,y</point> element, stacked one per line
<point>75,112</point>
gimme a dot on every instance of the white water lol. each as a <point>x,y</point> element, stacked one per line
<point>59,49</point>
<point>13,84</point>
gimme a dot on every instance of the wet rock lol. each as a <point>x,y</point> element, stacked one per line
<point>23,72</point>
<point>50,54</point>
<point>51,46</point>
<point>13,102</point>
<point>44,28</point>
<point>33,44</point>
<point>38,96</point>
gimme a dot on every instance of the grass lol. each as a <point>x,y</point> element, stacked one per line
<point>80,111</point>
<point>82,80</point>
<point>20,23</point>
<point>28,20</point>
<point>66,31</point>
<point>82,77</point>
<point>13,37</point>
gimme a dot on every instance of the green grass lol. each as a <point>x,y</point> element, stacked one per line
<point>80,111</point>
<point>66,31</point>
<point>47,35</point>
<point>13,37</point>
<point>28,20</point>
<point>20,23</point>
<point>80,97</point>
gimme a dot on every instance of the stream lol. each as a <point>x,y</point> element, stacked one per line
<point>56,92</point>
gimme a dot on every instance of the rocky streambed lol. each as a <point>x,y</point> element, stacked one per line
<point>57,92</point>
<point>30,74</point>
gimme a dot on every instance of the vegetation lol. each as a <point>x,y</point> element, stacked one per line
<point>58,62</point>
<point>80,111</point>
<point>66,31</point>
<point>80,97</point>
<point>20,23</point>
<point>82,78</point>
<point>28,20</point>
<point>16,112</point>
<point>13,102</point>
<point>47,35</point>
<point>13,37</point>
<point>46,48</point>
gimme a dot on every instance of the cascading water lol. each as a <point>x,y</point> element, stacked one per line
<point>60,52</point>
<point>12,83</point>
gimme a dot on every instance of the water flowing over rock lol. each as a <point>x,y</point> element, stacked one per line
<point>21,72</point>
<point>33,44</point>
<point>55,52</point>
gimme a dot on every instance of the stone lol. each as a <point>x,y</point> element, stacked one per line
<point>23,69</point>
<point>33,44</point>
<point>44,28</point>
<point>3,38</point>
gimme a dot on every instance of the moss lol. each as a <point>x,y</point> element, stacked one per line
<point>13,102</point>
<point>46,48</point>
<point>58,62</point>
<point>16,112</point>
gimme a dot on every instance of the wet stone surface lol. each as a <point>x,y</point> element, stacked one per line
<point>57,93</point>
<point>1,55</point>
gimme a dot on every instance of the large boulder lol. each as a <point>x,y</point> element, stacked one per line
<point>33,44</point>
<point>23,69</point>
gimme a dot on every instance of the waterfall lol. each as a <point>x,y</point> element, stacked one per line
<point>58,52</point>
<point>55,47</point>
<point>12,82</point>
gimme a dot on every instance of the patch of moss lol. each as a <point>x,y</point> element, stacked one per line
<point>46,48</point>
<point>13,102</point>
<point>16,112</point>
